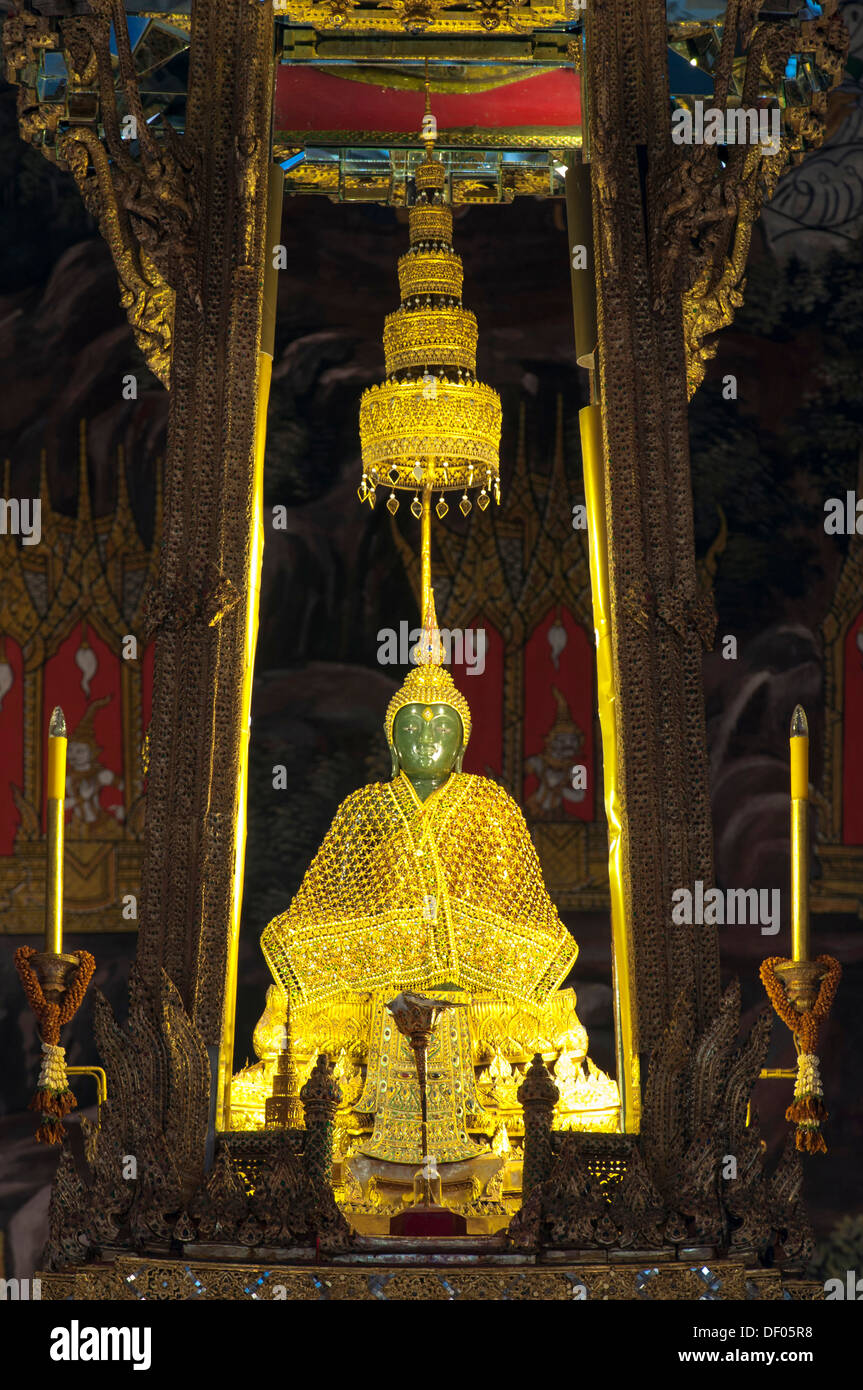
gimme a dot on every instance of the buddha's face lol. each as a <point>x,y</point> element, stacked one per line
<point>427,739</point>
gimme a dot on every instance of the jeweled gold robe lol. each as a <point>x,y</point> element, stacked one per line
<point>409,894</point>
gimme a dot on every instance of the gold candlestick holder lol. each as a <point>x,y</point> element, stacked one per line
<point>802,980</point>
<point>54,981</point>
<point>802,992</point>
<point>54,971</point>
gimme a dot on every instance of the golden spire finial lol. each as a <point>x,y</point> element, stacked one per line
<point>429,123</point>
<point>430,426</point>
<point>429,682</point>
<point>429,650</point>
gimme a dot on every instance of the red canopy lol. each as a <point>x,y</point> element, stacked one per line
<point>309,101</point>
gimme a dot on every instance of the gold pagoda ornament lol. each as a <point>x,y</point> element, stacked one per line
<point>431,426</point>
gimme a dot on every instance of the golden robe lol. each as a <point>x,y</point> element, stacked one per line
<point>406,894</point>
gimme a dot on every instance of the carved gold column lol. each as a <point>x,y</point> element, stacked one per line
<point>275,194</point>
<point>671,232</point>
<point>659,620</point>
<point>184,217</point>
<point>199,607</point>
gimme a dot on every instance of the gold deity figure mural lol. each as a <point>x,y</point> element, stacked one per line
<point>553,766</point>
<point>427,879</point>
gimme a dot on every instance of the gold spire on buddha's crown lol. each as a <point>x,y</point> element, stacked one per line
<point>429,683</point>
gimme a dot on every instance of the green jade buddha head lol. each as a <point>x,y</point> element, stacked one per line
<point>428,744</point>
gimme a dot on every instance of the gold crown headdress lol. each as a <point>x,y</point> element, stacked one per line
<point>564,722</point>
<point>84,731</point>
<point>429,683</point>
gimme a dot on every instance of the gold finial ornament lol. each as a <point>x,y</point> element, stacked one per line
<point>429,683</point>
<point>57,724</point>
<point>283,1109</point>
<point>431,422</point>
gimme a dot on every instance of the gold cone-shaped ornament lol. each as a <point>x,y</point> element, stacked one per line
<point>429,682</point>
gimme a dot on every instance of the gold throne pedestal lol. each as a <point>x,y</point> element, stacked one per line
<point>476,1126</point>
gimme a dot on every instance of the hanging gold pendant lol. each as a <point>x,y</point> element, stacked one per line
<point>464,504</point>
<point>483,500</point>
<point>441,508</point>
<point>417,507</point>
<point>392,504</point>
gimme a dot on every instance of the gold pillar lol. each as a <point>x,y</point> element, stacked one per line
<point>425,554</point>
<point>199,605</point>
<point>626,1043</point>
<point>265,371</point>
<point>660,619</point>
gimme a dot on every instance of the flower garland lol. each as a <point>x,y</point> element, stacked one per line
<point>53,1096</point>
<point>807,1110</point>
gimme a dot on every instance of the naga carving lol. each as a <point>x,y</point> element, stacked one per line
<point>145,204</point>
<point>706,210</point>
<point>678,1189</point>
<point>137,1181</point>
<point>145,1160</point>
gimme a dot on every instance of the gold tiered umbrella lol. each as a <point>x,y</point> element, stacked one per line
<point>431,426</point>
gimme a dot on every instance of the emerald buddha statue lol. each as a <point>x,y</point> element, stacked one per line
<point>429,882</point>
<point>428,879</point>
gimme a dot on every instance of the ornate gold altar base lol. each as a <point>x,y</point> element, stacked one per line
<point>486,1191</point>
<point>479,1157</point>
<point>496,1276</point>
